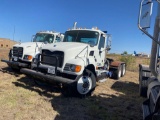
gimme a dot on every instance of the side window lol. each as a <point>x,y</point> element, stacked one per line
<point>108,42</point>
<point>69,38</point>
<point>101,42</point>
<point>58,39</point>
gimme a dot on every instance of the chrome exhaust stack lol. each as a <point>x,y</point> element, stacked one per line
<point>75,25</point>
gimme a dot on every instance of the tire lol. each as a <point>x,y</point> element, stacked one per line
<point>117,73</point>
<point>86,83</point>
<point>156,115</point>
<point>143,84</point>
<point>123,69</point>
<point>106,65</point>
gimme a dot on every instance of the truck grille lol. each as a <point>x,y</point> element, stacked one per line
<point>49,58</point>
<point>18,51</point>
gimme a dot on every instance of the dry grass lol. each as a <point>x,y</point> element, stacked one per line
<point>22,99</point>
<point>4,53</point>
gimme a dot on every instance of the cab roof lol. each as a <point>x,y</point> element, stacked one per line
<point>84,29</point>
<point>48,32</point>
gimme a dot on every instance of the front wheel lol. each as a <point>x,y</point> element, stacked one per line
<point>86,83</point>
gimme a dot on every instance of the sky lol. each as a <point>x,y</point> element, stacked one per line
<point>20,19</point>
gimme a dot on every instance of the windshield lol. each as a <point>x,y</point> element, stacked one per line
<point>42,37</point>
<point>83,36</point>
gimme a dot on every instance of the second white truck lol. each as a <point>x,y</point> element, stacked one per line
<point>22,54</point>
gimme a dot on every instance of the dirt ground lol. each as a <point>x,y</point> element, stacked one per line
<point>22,99</point>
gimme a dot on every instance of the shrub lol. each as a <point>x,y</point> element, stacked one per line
<point>146,61</point>
<point>130,62</point>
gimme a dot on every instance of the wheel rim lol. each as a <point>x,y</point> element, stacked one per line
<point>84,84</point>
<point>106,66</point>
<point>124,69</point>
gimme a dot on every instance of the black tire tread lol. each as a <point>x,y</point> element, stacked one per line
<point>143,83</point>
<point>122,70</point>
<point>71,90</point>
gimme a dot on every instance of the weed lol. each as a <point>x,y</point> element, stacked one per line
<point>130,62</point>
<point>146,61</point>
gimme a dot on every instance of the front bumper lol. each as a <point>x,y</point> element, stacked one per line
<point>47,77</point>
<point>15,63</point>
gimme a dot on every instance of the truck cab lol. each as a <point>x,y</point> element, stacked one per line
<point>22,54</point>
<point>78,62</point>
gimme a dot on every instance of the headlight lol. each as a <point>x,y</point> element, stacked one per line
<point>72,67</point>
<point>27,57</point>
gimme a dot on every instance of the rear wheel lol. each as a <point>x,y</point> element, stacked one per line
<point>123,69</point>
<point>117,73</point>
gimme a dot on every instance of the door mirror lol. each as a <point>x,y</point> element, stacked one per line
<point>145,14</point>
<point>108,42</point>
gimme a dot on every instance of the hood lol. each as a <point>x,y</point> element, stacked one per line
<point>28,44</point>
<point>66,46</point>
<point>70,49</point>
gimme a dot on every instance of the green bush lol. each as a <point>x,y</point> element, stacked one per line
<point>130,62</point>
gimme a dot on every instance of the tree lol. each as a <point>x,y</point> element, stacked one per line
<point>125,52</point>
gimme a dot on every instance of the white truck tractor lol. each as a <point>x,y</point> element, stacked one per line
<point>149,76</point>
<point>22,54</point>
<point>78,62</point>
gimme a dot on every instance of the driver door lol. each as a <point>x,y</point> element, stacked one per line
<point>101,51</point>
